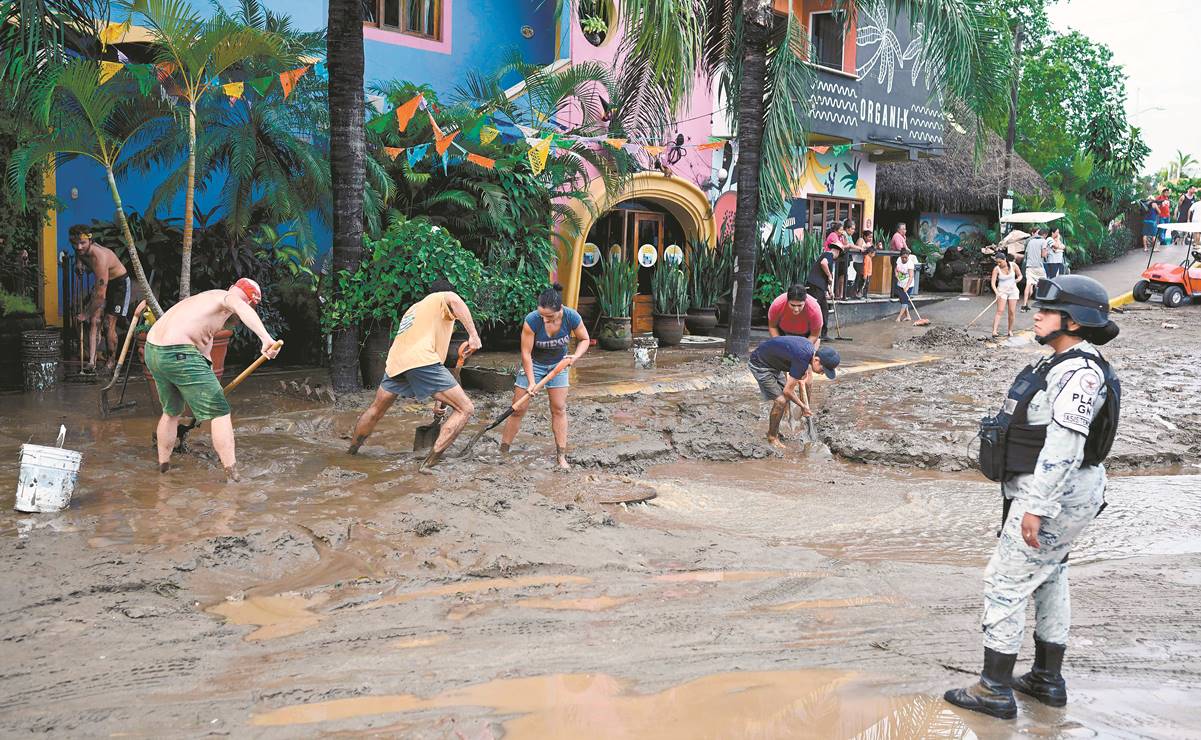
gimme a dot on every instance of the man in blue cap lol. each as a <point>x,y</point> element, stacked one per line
<point>781,365</point>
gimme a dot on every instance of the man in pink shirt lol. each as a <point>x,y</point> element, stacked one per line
<point>796,314</point>
<point>899,243</point>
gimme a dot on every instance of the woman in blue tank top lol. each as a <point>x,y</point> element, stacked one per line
<point>544,339</point>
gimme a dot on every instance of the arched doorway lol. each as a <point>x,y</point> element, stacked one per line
<point>654,209</point>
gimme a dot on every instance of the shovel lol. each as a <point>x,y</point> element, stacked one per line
<point>182,430</point>
<point>515,405</point>
<point>105,407</point>
<point>427,434</point>
<point>811,426</point>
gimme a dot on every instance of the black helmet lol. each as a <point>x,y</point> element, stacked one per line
<point>1080,297</point>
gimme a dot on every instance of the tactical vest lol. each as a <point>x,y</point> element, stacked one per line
<point>1010,445</point>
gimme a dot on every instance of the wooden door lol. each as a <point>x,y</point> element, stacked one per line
<point>645,228</point>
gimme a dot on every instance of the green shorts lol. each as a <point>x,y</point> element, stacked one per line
<point>183,375</point>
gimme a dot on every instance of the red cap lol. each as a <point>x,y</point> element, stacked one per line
<point>250,289</point>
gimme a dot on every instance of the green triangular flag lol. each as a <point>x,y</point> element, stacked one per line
<point>262,84</point>
<point>474,132</point>
<point>145,76</point>
<point>380,124</point>
<point>841,149</point>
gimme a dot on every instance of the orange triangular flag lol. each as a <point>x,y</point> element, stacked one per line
<point>710,146</point>
<point>616,143</point>
<point>405,113</point>
<point>820,149</point>
<point>442,143</point>
<point>287,80</point>
<point>393,151</point>
<point>108,69</point>
<point>481,161</point>
<point>654,151</point>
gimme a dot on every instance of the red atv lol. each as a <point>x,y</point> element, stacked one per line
<point>1177,283</point>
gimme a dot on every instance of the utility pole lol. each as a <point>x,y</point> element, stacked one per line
<point>1006,190</point>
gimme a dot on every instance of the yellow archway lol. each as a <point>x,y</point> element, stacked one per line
<point>681,198</point>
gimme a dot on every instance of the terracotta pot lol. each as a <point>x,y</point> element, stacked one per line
<point>373,359</point>
<point>615,333</point>
<point>487,379</point>
<point>669,328</point>
<point>701,320</point>
<point>723,312</point>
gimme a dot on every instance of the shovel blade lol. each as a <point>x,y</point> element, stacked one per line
<point>426,435</point>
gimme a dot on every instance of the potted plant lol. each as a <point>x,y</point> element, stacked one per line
<point>615,290</point>
<point>395,273</point>
<point>704,284</point>
<point>724,272</point>
<point>595,29</point>
<point>669,287</point>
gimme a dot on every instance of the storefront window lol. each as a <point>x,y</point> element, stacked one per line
<point>826,36</point>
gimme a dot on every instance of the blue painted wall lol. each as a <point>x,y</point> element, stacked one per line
<point>483,33</point>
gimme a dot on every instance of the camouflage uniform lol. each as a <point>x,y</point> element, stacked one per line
<point>1065,495</point>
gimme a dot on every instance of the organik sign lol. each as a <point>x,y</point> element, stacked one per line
<point>894,102</point>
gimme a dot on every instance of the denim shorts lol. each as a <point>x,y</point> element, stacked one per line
<point>420,382</point>
<point>540,372</point>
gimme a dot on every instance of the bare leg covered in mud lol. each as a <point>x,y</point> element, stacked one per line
<point>461,411</point>
<point>366,424</point>
<point>223,442</point>
<point>778,407</point>
<point>558,423</point>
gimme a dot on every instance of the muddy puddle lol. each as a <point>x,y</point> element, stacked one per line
<point>848,511</point>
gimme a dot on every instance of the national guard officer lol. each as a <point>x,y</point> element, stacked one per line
<point>1045,447</point>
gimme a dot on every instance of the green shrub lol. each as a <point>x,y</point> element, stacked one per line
<point>704,280</point>
<point>616,286</point>
<point>396,272</point>
<point>14,305</point>
<point>669,288</point>
<point>784,264</point>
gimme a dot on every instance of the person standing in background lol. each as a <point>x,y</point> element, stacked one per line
<point>1183,206</point>
<point>820,282</point>
<point>899,242</point>
<point>1054,251</point>
<point>1033,264</point>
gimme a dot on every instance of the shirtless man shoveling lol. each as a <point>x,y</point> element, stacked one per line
<point>177,355</point>
<point>110,297</point>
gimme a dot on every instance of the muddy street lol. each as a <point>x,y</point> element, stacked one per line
<point>684,579</point>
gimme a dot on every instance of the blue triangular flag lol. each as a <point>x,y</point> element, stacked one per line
<point>416,154</point>
<point>320,70</point>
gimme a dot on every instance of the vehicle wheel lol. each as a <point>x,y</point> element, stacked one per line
<point>1141,291</point>
<point>1173,296</point>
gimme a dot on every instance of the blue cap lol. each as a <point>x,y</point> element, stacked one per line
<point>828,356</point>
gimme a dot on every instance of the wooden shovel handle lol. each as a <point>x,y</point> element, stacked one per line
<point>125,347</point>
<point>563,364</point>
<point>279,343</point>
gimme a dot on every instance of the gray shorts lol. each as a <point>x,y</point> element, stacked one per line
<point>771,382</point>
<point>420,382</point>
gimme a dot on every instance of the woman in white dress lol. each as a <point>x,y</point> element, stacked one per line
<point>1005,277</point>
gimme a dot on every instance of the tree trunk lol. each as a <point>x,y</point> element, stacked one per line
<point>756,29</point>
<point>134,260</point>
<point>1011,134</point>
<point>189,208</point>
<point>347,170</point>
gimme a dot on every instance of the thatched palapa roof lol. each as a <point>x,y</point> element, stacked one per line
<point>953,182</point>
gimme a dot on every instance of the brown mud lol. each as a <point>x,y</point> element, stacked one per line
<point>753,593</point>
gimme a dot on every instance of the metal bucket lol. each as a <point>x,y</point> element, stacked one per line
<point>48,476</point>
<point>41,358</point>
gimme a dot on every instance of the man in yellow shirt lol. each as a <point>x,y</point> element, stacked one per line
<point>416,367</point>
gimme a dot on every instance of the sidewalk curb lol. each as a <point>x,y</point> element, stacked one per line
<point>1121,300</point>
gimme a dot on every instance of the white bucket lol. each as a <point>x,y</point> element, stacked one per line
<point>47,476</point>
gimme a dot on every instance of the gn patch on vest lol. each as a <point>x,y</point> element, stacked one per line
<point>1073,405</point>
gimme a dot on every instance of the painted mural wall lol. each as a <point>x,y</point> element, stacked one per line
<point>952,229</point>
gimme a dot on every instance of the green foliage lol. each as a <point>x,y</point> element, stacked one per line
<point>397,270</point>
<point>14,305</point>
<point>704,279</point>
<point>724,269</point>
<point>669,289</point>
<point>594,24</point>
<point>784,263</point>
<point>616,286</point>
<point>20,228</point>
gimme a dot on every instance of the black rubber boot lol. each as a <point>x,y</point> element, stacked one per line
<point>991,694</point>
<point>1045,680</point>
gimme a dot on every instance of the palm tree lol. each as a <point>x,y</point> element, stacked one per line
<point>347,167</point>
<point>38,33</point>
<point>739,43</point>
<point>271,151</point>
<point>83,118</point>
<point>1181,166</point>
<point>198,52</point>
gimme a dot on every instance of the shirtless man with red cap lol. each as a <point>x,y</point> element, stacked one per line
<point>177,355</point>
